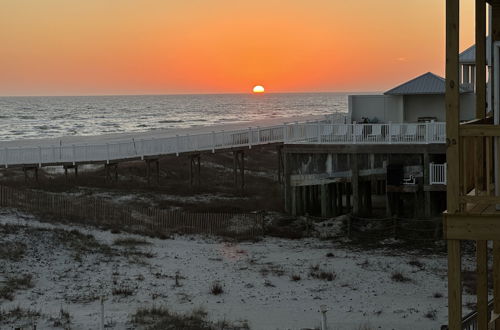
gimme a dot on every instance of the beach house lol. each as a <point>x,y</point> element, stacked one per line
<point>421,99</point>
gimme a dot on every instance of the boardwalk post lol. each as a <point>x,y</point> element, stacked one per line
<point>177,145</point>
<point>213,142</point>
<point>249,138</point>
<point>199,169</point>
<point>40,156</point>
<point>107,153</point>
<point>242,170</point>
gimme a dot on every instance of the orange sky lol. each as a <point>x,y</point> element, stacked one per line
<point>61,47</point>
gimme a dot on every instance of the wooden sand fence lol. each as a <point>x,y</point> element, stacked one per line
<point>105,213</point>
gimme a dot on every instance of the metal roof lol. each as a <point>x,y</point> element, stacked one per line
<point>468,56</point>
<point>428,83</point>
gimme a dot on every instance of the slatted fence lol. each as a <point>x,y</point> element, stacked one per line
<point>102,212</point>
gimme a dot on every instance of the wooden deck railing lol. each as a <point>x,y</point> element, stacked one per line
<point>477,140</point>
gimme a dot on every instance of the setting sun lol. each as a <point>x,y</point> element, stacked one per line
<point>258,89</point>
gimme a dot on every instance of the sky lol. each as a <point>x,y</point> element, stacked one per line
<point>61,47</point>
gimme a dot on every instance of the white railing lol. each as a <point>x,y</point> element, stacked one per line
<point>437,173</point>
<point>402,133</point>
<point>320,132</point>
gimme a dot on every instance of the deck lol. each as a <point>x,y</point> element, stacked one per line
<point>126,147</point>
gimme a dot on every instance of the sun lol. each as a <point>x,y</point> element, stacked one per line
<point>259,89</point>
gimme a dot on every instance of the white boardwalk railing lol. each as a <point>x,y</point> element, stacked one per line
<point>437,173</point>
<point>321,132</point>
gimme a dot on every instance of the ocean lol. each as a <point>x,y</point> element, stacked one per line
<point>53,117</point>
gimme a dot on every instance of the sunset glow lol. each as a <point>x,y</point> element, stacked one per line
<point>219,46</point>
<point>258,89</point>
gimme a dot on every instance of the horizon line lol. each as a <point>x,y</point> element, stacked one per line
<point>180,94</point>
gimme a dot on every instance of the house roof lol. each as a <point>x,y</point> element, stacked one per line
<point>428,83</point>
<point>468,56</point>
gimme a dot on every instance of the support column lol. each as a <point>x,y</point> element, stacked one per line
<point>312,200</point>
<point>294,208</point>
<point>388,204</point>
<point>482,284</point>
<point>239,165</point>
<point>280,165</point>
<point>157,163</point>
<point>339,202</point>
<point>286,188</point>
<point>453,159</point>
<point>333,202</point>
<point>355,184</point>
<point>242,170</point>
<point>454,285</point>
<point>496,282</point>
<point>427,194</point>
<point>326,201</point>
<point>107,169</point>
<point>368,197</point>
<point>299,200</point>
<point>347,197</point>
<point>195,170</point>
<point>148,171</point>
<point>305,200</point>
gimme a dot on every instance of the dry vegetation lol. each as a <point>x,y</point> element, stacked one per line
<point>160,318</point>
<point>216,179</point>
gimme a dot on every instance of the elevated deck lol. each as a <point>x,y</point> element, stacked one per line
<point>126,147</point>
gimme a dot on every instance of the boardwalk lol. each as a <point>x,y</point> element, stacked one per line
<point>125,147</point>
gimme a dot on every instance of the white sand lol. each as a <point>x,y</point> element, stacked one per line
<point>360,294</point>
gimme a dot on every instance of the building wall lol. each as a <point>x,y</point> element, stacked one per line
<point>467,106</point>
<point>416,106</point>
<point>397,109</point>
<point>381,108</point>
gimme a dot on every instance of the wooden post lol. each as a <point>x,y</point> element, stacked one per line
<point>496,276</point>
<point>294,209</point>
<point>452,104</point>
<point>347,197</point>
<point>355,184</point>
<point>454,285</point>
<point>482,284</point>
<point>453,159</point>
<point>368,197</point>
<point>191,174</point>
<point>280,164</point>
<point>427,194</point>
<point>157,171</point>
<point>235,168</point>
<point>198,172</point>
<point>333,187</point>
<point>305,199</point>
<point>242,170</point>
<point>480,81</point>
<point>148,171</point>
<point>325,200</point>
<point>339,200</point>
